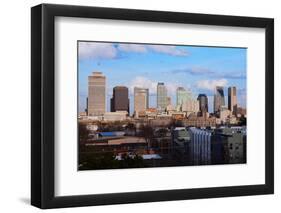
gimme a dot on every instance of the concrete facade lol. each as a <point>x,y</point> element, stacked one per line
<point>141,100</point>
<point>96,94</point>
<point>161,97</point>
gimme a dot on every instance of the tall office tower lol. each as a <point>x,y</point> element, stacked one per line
<point>218,99</point>
<point>191,105</point>
<point>200,146</point>
<point>96,94</point>
<point>203,103</point>
<point>141,97</point>
<point>161,97</point>
<point>120,100</point>
<point>169,101</point>
<point>182,97</point>
<point>232,100</point>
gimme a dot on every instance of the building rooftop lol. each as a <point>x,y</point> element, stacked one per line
<point>111,134</point>
<point>181,88</point>
<point>141,89</point>
<point>151,156</point>
<point>97,74</point>
<point>120,87</point>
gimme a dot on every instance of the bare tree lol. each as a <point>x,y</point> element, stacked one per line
<point>83,133</point>
<point>147,133</point>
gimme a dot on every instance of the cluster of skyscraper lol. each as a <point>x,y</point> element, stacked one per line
<point>96,101</point>
<point>219,100</point>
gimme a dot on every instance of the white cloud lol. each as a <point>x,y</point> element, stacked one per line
<point>93,50</point>
<point>165,49</point>
<point>172,88</point>
<point>143,82</point>
<point>211,84</point>
<point>196,70</point>
<point>138,48</point>
<point>96,50</point>
<point>168,49</point>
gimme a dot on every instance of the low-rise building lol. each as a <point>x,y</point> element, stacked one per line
<point>82,114</point>
<point>151,113</point>
<point>115,116</point>
<point>94,118</point>
<point>200,121</point>
<point>241,112</point>
<point>178,115</point>
<point>181,145</point>
<point>224,114</point>
<point>160,121</point>
<point>234,144</point>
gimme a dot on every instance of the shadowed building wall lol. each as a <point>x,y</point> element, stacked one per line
<point>203,103</point>
<point>120,100</point>
<point>232,100</point>
<point>218,99</point>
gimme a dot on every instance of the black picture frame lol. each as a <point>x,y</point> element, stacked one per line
<point>43,105</point>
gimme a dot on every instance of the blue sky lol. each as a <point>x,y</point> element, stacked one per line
<point>197,68</point>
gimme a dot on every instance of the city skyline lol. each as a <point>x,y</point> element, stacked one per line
<point>185,100</point>
<point>147,73</point>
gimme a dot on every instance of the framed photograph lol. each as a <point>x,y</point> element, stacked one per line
<point>136,106</point>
